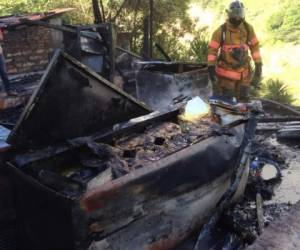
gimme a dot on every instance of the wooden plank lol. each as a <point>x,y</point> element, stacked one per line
<point>260,212</point>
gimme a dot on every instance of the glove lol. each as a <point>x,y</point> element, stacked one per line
<point>212,73</point>
<point>257,76</point>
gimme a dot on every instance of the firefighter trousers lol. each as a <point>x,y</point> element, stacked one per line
<point>240,89</point>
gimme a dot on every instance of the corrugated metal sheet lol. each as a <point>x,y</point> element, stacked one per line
<point>14,20</point>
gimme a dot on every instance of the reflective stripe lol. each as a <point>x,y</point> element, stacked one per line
<point>254,41</point>
<point>256,55</point>
<point>233,75</point>
<point>213,44</point>
<point>211,58</point>
<point>228,74</point>
<point>228,48</point>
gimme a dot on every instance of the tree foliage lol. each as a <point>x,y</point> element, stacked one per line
<point>82,13</point>
<point>284,25</point>
<point>171,21</point>
<point>172,24</point>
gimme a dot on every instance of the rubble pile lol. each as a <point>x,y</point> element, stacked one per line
<point>97,163</point>
<point>242,219</point>
<point>264,147</point>
<point>238,227</point>
<point>273,211</point>
<point>82,119</point>
<point>159,141</point>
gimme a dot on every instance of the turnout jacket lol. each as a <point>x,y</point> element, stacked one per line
<point>231,49</point>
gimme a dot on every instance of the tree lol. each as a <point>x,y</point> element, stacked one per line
<point>171,21</point>
<point>83,13</point>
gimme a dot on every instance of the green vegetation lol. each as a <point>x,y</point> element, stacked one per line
<point>183,28</point>
<point>81,15</point>
<point>199,48</point>
<point>171,19</point>
<point>276,90</point>
<point>284,25</point>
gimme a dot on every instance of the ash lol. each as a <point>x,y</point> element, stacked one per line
<point>279,194</point>
<point>161,140</point>
<point>238,227</point>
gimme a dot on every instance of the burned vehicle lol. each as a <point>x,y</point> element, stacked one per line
<point>96,169</point>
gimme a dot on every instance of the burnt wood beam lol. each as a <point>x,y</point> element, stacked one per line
<point>151,15</point>
<point>163,52</point>
<point>97,12</point>
<point>278,119</point>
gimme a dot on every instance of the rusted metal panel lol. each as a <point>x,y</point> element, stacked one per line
<point>17,20</point>
<point>158,84</point>
<point>171,223</point>
<point>72,101</point>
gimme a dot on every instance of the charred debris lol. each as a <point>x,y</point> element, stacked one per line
<point>101,165</point>
<point>92,164</point>
<point>91,161</point>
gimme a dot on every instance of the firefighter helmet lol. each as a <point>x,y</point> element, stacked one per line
<point>236,10</point>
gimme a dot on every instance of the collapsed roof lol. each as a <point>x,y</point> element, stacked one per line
<point>14,20</point>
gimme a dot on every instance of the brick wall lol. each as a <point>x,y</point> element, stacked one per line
<point>28,49</point>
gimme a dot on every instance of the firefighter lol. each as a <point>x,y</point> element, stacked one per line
<point>229,61</point>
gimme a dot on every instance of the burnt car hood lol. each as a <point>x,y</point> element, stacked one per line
<point>72,101</point>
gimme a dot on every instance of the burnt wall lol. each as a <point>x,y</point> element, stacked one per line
<point>27,49</point>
